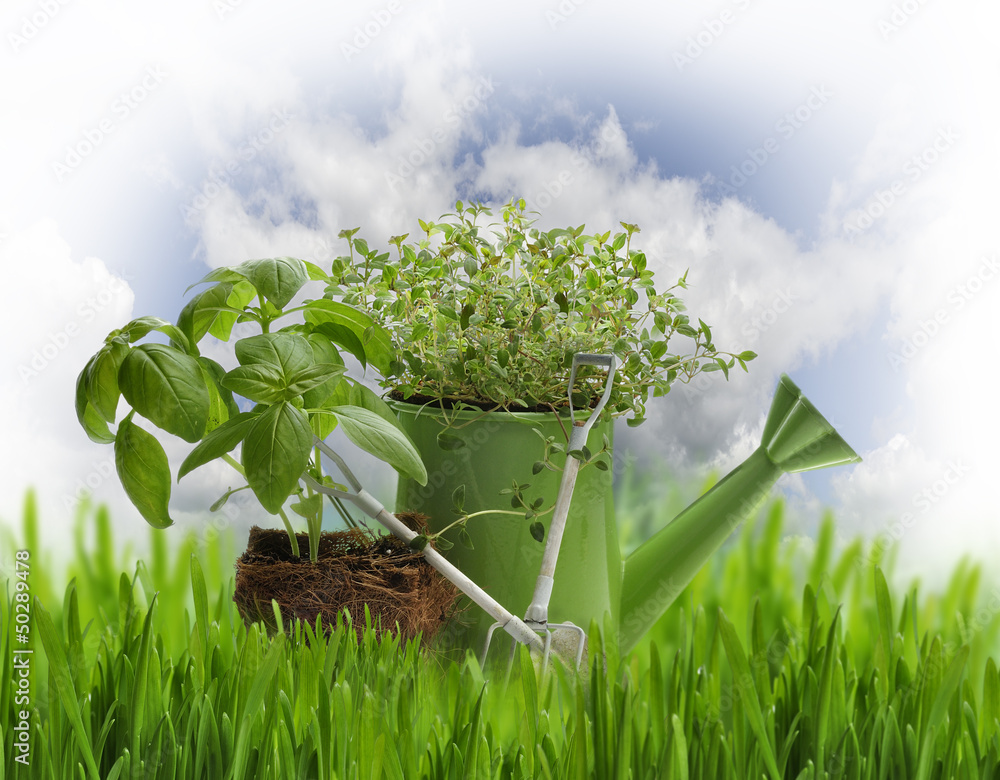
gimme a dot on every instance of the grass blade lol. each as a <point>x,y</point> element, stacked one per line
<point>991,702</point>
<point>255,699</point>
<point>949,684</point>
<point>744,684</point>
<point>60,673</point>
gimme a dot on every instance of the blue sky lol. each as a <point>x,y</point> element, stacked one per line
<point>830,186</point>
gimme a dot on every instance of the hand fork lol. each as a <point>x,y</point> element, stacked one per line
<point>537,616</point>
<point>375,510</point>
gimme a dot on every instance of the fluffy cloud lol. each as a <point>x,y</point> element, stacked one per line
<point>395,111</point>
<point>57,311</point>
<point>53,328</point>
<point>756,282</point>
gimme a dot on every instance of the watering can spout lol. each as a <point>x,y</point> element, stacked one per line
<point>796,438</point>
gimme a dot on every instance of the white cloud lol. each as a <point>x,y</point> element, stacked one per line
<point>55,316</point>
<point>750,278</point>
<point>375,141</point>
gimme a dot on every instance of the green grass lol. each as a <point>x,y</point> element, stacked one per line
<point>778,661</point>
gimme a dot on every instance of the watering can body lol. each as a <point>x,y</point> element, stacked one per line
<point>499,451</point>
<point>592,580</point>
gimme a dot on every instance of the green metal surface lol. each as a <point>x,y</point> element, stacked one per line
<point>796,438</point>
<point>501,448</point>
<point>591,580</point>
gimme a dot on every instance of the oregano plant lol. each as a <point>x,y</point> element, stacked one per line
<point>490,315</point>
<point>487,312</point>
<point>291,380</point>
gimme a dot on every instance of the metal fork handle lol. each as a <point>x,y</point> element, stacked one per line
<point>372,507</point>
<point>591,359</point>
<point>538,610</point>
<point>588,359</point>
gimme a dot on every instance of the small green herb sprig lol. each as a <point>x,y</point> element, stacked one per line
<point>491,316</point>
<point>294,377</point>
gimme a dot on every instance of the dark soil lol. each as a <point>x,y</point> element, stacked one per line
<point>450,403</point>
<point>354,569</point>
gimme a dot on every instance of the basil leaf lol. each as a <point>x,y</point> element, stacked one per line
<point>362,396</point>
<point>344,337</point>
<point>287,352</point>
<point>378,347</point>
<point>215,310</point>
<point>308,507</point>
<point>90,420</point>
<point>217,443</point>
<point>302,381</point>
<point>261,383</point>
<point>276,278</point>
<point>316,274</point>
<point>276,452</point>
<point>242,293</point>
<point>200,313</point>
<point>222,405</point>
<point>168,388</point>
<point>144,472</point>
<point>323,424</point>
<point>224,274</point>
<point>382,439</point>
<point>323,352</point>
<point>102,379</point>
<point>142,326</point>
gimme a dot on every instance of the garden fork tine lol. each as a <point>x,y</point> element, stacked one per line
<point>375,510</point>
<point>537,616</point>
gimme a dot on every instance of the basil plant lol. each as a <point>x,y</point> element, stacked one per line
<point>292,380</point>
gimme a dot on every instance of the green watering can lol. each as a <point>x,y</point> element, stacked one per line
<point>593,581</point>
